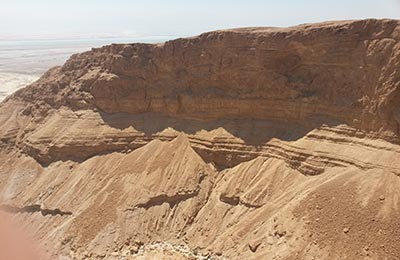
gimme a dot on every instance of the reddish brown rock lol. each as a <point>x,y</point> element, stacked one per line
<point>344,71</point>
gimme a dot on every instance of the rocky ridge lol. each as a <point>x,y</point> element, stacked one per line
<point>242,143</point>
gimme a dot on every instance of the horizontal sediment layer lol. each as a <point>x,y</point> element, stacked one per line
<point>253,143</point>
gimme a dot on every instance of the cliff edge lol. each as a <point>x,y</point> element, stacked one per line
<point>241,143</point>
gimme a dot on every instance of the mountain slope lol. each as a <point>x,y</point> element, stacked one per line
<point>259,143</point>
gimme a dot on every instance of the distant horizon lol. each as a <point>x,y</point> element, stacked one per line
<point>154,37</point>
<point>85,38</point>
<point>95,19</point>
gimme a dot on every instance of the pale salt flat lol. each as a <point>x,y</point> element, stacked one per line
<point>10,82</point>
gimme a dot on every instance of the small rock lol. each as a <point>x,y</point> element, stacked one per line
<point>138,242</point>
<point>134,249</point>
<point>381,197</point>
<point>254,246</point>
<point>346,230</point>
<point>280,233</point>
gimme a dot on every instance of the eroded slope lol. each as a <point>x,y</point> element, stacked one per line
<point>259,143</point>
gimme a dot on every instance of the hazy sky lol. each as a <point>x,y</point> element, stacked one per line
<point>89,18</point>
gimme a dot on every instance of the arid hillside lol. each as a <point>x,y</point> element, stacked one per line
<point>250,143</point>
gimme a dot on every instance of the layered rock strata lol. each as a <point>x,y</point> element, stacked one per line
<point>259,143</point>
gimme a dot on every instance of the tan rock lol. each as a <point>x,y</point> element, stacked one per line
<point>211,141</point>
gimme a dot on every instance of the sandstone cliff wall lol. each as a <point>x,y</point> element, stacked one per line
<point>343,71</point>
<point>253,143</point>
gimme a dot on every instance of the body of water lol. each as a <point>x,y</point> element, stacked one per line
<point>24,61</point>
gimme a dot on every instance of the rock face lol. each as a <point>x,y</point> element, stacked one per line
<point>245,143</point>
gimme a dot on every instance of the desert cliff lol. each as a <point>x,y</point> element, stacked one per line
<point>258,143</point>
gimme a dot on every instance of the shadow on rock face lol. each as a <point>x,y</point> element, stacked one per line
<point>253,132</point>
